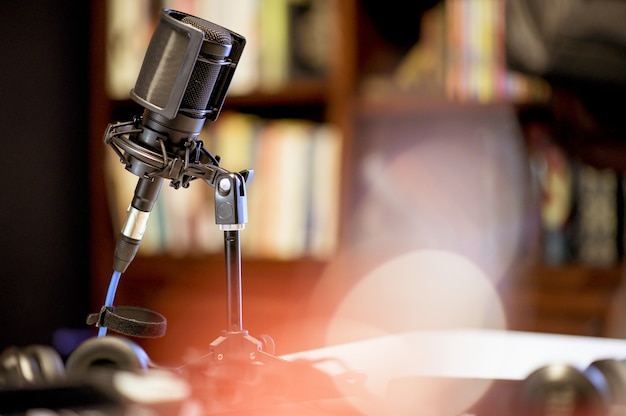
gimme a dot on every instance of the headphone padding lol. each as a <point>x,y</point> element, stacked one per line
<point>47,361</point>
<point>109,351</point>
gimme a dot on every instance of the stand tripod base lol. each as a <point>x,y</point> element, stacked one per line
<point>238,377</point>
<point>242,347</point>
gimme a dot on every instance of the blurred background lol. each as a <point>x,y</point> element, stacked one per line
<point>44,265</point>
<point>438,164</point>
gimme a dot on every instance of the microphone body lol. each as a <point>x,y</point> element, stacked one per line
<point>146,194</point>
<point>183,81</point>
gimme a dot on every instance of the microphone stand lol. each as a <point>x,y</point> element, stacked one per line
<point>235,344</point>
<point>231,215</point>
<point>238,373</point>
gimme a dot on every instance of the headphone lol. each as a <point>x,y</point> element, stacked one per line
<point>39,365</point>
<point>30,366</point>
<point>566,390</point>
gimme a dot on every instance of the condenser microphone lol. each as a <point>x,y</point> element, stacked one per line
<point>183,81</point>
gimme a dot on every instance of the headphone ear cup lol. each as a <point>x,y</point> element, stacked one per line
<point>110,352</point>
<point>562,388</point>
<point>614,374</point>
<point>15,369</point>
<point>46,362</point>
<point>36,364</point>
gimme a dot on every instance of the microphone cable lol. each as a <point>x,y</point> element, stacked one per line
<point>110,296</point>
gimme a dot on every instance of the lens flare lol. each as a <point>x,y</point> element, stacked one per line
<point>424,290</point>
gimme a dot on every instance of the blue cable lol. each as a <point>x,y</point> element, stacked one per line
<point>115,278</point>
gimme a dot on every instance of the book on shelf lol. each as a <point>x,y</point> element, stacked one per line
<point>310,33</point>
<point>597,216</point>
<point>129,26</point>
<point>284,151</point>
<point>293,196</point>
<point>580,213</point>
<point>553,179</point>
<point>461,56</point>
<point>581,206</point>
<point>286,40</point>
<point>325,192</point>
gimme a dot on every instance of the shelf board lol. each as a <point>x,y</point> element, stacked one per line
<point>299,92</point>
<point>165,267</point>
<point>391,104</point>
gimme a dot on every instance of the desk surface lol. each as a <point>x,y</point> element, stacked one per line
<point>479,353</point>
<point>460,354</point>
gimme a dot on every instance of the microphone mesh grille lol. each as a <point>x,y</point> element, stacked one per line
<point>212,32</point>
<point>204,75</point>
<point>200,86</point>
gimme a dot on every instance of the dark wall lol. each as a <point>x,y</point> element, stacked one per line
<point>44,72</point>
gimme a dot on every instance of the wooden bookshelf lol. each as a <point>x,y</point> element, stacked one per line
<point>568,299</point>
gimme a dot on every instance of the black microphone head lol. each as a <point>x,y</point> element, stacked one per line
<point>188,66</point>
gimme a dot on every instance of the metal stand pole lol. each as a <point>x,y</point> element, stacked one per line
<point>232,252</point>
